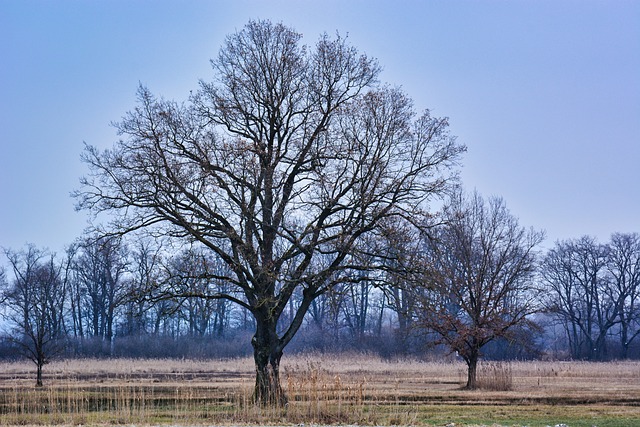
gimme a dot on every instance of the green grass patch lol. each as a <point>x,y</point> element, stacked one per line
<point>528,415</point>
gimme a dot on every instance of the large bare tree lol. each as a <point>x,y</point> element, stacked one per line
<point>479,277</point>
<point>280,165</point>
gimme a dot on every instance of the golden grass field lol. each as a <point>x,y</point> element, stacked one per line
<point>322,389</point>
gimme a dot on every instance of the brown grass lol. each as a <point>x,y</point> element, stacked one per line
<point>350,389</point>
<point>495,376</point>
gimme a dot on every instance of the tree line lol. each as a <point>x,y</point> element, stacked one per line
<point>290,201</point>
<point>133,297</point>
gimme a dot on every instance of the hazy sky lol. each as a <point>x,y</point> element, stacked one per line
<point>545,94</point>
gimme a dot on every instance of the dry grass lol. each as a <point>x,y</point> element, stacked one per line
<point>496,376</point>
<point>350,389</point>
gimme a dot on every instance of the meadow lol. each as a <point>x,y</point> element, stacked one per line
<point>323,389</point>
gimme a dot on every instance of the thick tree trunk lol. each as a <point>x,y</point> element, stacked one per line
<point>472,373</point>
<point>267,352</point>
<point>601,352</point>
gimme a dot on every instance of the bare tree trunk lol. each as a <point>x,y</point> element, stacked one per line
<point>268,390</point>
<point>472,373</point>
<point>624,340</point>
<point>267,352</point>
<point>39,365</point>
<point>600,347</point>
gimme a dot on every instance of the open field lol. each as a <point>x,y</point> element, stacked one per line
<point>349,389</point>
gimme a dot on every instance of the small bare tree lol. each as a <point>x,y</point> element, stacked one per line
<point>35,305</point>
<point>479,280</point>
<point>279,166</point>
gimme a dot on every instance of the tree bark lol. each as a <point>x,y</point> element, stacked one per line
<point>472,373</point>
<point>267,352</point>
<point>624,340</point>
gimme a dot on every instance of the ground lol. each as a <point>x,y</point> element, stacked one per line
<point>344,389</point>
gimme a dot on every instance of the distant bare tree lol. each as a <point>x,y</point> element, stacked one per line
<point>356,295</point>
<point>624,267</point>
<point>279,167</point>
<point>35,305</point>
<point>402,254</point>
<point>193,274</point>
<point>479,283</point>
<point>100,266</point>
<point>145,269</point>
<point>325,313</point>
<point>355,308</point>
<point>580,294</point>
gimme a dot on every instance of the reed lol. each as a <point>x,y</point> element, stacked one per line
<point>495,376</point>
<point>322,389</point>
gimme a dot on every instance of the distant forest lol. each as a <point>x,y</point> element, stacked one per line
<point>104,299</point>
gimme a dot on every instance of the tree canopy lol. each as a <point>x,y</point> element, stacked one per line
<point>280,165</point>
<point>479,277</point>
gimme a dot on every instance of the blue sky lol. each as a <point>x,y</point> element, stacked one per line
<point>545,94</point>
